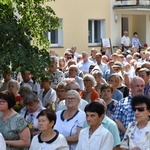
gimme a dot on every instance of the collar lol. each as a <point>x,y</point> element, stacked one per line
<point>50,141</point>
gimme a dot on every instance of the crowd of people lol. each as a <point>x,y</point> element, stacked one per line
<point>96,102</point>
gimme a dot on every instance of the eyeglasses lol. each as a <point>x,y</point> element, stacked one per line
<point>2,102</point>
<point>140,109</point>
<point>70,99</point>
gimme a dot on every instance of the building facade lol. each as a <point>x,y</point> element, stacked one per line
<point>85,23</point>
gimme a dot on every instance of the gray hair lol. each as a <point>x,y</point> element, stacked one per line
<point>75,93</point>
<point>69,85</point>
<point>91,78</point>
<point>133,81</point>
<point>25,89</point>
<point>54,59</point>
<point>30,98</point>
<point>15,83</point>
<point>97,72</point>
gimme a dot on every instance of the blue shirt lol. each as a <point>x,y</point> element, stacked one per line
<point>117,95</point>
<point>124,113</point>
<point>136,42</point>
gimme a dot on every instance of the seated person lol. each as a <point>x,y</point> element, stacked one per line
<point>32,108</point>
<point>114,81</point>
<point>47,95</point>
<point>106,95</point>
<point>95,137</point>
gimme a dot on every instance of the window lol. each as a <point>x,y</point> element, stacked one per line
<point>96,30</point>
<point>56,37</point>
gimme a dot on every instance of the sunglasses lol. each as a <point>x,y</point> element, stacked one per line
<point>140,109</point>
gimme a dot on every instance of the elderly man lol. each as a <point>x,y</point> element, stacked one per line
<point>85,63</point>
<point>103,67</point>
<point>144,73</point>
<point>124,114</point>
<point>125,41</point>
<point>93,55</point>
<point>56,76</point>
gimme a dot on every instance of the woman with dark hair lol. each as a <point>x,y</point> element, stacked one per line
<point>12,126</point>
<point>137,136</point>
<point>95,137</point>
<point>48,139</point>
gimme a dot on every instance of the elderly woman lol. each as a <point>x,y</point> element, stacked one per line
<point>12,126</point>
<point>73,73</point>
<point>70,121</point>
<point>89,94</point>
<point>48,139</point>
<point>137,136</point>
<point>98,75</point>
<point>13,87</point>
<point>61,93</point>
<point>32,108</point>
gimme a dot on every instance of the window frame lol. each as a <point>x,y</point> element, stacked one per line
<point>102,31</point>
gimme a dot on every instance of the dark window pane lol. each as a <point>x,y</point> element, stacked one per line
<point>90,31</point>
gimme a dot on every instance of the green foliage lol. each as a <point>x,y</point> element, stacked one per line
<point>17,34</point>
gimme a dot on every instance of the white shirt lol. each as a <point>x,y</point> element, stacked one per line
<point>2,143</point>
<point>59,143</point>
<point>125,40</point>
<point>62,105</point>
<point>50,96</point>
<point>101,139</point>
<point>68,127</point>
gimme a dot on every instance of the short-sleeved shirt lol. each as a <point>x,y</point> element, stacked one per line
<point>124,112</point>
<point>11,127</point>
<point>111,108</point>
<point>68,127</point>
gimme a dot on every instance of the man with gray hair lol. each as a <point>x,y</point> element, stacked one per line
<point>124,114</point>
<point>56,76</point>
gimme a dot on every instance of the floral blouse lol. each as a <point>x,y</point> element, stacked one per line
<point>128,141</point>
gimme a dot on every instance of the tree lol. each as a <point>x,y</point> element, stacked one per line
<point>23,44</point>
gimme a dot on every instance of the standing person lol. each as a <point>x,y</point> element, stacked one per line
<point>48,139</point>
<point>125,41</point>
<point>124,114</point>
<point>13,126</point>
<point>137,136</point>
<point>136,41</point>
<point>2,142</point>
<point>70,121</point>
<point>95,137</point>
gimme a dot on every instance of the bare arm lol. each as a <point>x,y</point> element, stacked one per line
<point>120,126</point>
<point>73,138</point>
<point>24,139</point>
